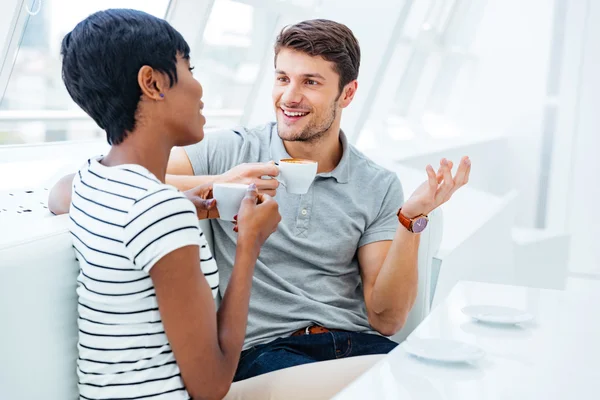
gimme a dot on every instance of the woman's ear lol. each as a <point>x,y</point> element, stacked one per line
<point>151,83</point>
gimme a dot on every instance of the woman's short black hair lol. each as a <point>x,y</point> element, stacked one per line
<point>102,56</point>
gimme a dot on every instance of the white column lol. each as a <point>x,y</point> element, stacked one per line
<point>574,188</point>
<point>568,104</point>
<point>583,206</point>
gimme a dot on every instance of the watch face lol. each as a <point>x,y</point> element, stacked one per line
<point>419,225</point>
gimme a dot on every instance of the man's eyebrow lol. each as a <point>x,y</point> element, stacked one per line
<point>309,75</point>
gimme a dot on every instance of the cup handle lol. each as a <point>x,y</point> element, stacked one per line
<point>278,179</point>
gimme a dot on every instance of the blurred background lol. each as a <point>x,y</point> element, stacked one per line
<point>512,83</point>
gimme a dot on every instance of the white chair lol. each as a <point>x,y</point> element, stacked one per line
<point>431,239</point>
<point>38,304</point>
<point>38,310</point>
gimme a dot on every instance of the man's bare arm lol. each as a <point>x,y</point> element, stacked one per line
<point>390,279</point>
<point>59,199</point>
<point>181,175</point>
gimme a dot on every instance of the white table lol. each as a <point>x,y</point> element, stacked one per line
<point>556,356</point>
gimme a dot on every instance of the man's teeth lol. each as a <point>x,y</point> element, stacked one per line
<point>294,114</point>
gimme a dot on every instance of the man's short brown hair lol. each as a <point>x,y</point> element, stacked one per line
<point>331,40</point>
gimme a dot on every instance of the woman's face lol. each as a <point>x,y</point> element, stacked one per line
<point>184,106</point>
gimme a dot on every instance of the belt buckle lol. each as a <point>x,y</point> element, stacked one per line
<point>307,330</point>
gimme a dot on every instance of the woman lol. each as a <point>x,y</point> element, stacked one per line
<point>147,321</point>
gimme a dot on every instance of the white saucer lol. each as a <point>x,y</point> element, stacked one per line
<point>443,350</point>
<point>497,314</point>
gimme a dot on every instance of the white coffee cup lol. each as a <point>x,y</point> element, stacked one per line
<point>297,174</point>
<point>229,198</point>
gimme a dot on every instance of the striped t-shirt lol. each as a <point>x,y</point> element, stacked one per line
<point>123,220</point>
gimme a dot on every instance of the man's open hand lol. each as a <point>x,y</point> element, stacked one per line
<point>438,188</point>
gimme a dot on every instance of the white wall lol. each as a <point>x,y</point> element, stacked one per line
<point>512,48</point>
<point>509,93</point>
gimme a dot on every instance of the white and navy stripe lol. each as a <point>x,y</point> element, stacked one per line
<point>123,220</point>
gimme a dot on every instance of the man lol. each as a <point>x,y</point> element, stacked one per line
<point>340,273</point>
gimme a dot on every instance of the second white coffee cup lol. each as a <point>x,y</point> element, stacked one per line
<point>229,198</point>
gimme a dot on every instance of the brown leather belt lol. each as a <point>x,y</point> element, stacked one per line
<point>313,330</point>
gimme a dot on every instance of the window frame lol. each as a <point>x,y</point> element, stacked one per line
<point>8,58</point>
<point>16,29</point>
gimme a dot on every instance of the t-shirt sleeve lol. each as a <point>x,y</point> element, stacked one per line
<point>162,221</point>
<point>217,153</point>
<point>385,224</point>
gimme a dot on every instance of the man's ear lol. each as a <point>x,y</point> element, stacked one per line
<point>152,83</point>
<point>348,94</point>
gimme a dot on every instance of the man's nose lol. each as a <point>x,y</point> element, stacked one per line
<point>291,95</point>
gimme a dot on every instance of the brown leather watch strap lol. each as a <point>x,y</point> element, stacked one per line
<point>406,222</point>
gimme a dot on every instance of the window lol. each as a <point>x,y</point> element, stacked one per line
<point>235,43</point>
<point>430,72</point>
<point>36,107</point>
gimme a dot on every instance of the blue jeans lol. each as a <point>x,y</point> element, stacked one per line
<point>304,349</point>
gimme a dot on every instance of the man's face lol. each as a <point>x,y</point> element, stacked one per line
<point>305,95</point>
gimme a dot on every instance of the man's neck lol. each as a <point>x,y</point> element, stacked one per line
<point>326,151</point>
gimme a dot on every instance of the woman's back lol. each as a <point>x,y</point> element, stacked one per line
<point>137,240</point>
<point>123,221</point>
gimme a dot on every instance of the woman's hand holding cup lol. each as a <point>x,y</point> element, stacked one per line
<point>258,217</point>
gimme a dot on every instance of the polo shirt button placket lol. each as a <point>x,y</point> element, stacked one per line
<point>303,216</point>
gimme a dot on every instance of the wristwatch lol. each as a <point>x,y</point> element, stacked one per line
<point>414,225</point>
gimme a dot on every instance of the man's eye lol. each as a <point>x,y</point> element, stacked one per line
<point>311,82</point>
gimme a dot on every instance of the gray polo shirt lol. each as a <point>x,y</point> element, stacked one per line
<point>307,272</point>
